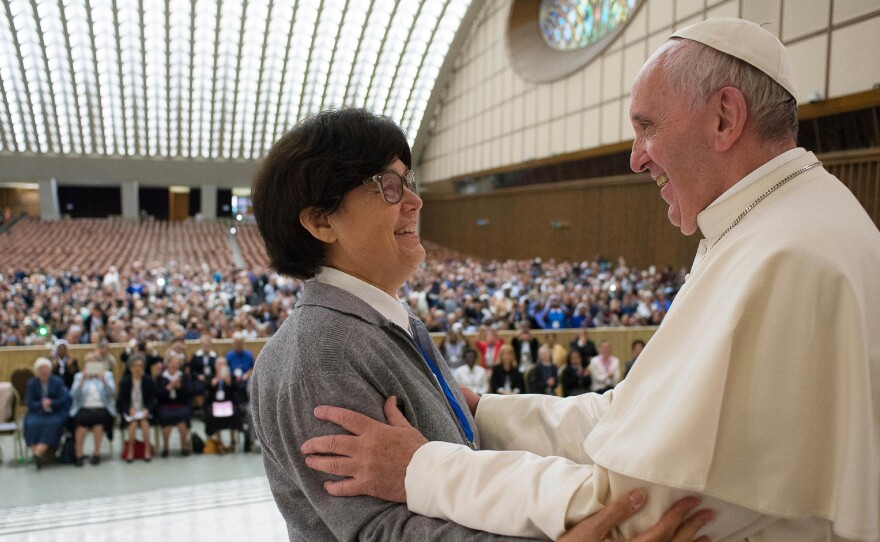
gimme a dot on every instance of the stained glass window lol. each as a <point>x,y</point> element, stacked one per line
<point>567,25</point>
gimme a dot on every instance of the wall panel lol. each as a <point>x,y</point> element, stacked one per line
<point>622,216</point>
<point>617,216</point>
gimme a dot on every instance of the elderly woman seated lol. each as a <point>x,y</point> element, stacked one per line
<point>135,404</point>
<point>47,403</point>
<point>93,393</point>
<point>506,378</point>
<point>173,395</point>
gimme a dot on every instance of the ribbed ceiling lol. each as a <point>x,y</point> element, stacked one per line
<point>218,79</point>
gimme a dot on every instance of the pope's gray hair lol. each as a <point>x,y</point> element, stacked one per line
<point>697,71</point>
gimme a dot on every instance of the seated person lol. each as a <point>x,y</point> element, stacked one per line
<point>222,411</point>
<point>63,364</point>
<point>605,369</point>
<point>543,376</point>
<point>135,404</point>
<point>240,360</point>
<point>637,346</point>
<point>201,369</point>
<point>506,378</point>
<point>155,361</point>
<point>490,348</point>
<point>47,403</point>
<point>105,356</point>
<point>93,408</point>
<point>453,346</point>
<point>241,363</point>
<point>575,378</point>
<point>471,375</point>
<point>173,395</point>
<point>526,348</point>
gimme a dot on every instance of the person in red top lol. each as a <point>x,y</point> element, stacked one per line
<point>489,348</point>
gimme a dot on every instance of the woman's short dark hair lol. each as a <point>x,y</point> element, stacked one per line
<point>314,165</point>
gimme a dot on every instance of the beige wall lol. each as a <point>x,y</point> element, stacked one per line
<point>490,117</point>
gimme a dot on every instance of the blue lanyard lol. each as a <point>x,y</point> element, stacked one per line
<point>459,413</point>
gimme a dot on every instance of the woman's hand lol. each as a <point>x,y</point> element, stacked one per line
<point>672,527</point>
<point>471,398</point>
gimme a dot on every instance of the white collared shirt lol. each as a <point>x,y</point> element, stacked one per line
<point>388,306</point>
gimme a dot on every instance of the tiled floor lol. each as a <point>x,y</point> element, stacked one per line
<point>217,498</point>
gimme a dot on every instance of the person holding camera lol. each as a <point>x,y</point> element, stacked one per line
<point>221,407</point>
<point>93,408</point>
<point>173,395</point>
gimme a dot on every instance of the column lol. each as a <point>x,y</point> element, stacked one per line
<point>130,201</point>
<point>209,201</point>
<point>49,206</point>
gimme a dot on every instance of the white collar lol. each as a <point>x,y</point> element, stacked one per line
<point>769,166</point>
<point>386,305</point>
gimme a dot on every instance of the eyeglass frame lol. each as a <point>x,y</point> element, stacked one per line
<point>407,180</point>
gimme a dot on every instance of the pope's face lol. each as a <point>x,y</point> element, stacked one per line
<point>671,141</point>
<point>377,241</point>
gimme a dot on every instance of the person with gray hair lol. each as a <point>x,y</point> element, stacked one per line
<point>47,402</point>
<point>724,403</point>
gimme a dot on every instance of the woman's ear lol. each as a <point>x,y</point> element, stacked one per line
<point>315,221</point>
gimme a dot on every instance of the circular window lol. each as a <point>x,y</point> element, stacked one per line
<point>550,40</point>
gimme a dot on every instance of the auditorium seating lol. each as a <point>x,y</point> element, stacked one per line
<point>92,245</point>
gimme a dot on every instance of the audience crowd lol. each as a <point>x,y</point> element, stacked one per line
<point>147,305</point>
<point>40,306</point>
<point>165,391</point>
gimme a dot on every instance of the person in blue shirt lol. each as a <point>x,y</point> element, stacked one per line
<point>241,361</point>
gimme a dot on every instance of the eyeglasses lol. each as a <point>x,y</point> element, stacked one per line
<point>392,184</point>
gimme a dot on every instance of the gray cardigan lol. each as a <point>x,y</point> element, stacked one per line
<point>335,349</point>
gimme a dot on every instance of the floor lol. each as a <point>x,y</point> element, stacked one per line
<point>201,497</point>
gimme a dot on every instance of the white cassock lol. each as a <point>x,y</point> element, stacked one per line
<point>760,392</point>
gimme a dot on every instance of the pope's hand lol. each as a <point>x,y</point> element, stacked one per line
<point>373,459</point>
<point>674,526</point>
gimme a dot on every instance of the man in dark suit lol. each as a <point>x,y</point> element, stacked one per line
<point>526,348</point>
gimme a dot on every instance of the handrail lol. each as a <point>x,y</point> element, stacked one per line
<point>6,227</point>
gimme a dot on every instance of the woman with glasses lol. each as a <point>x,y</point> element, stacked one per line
<point>336,205</point>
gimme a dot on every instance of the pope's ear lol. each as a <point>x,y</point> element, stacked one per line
<point>732,112</point>
<point>316,222</point>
